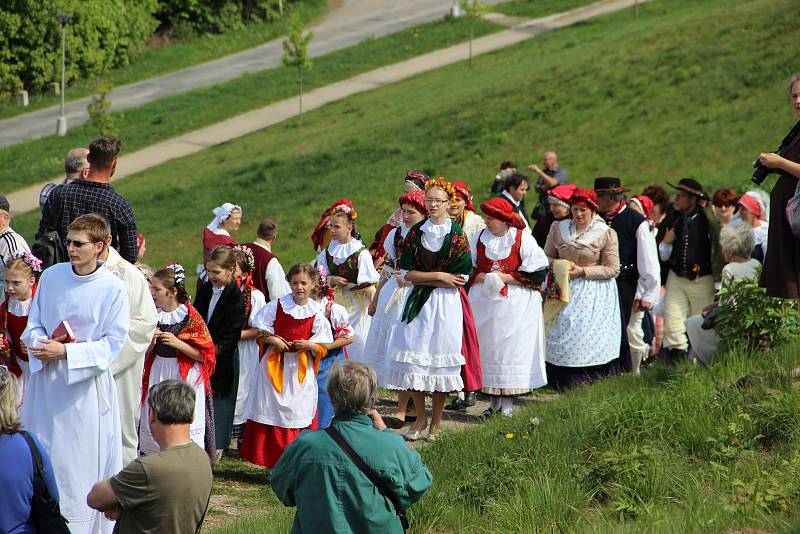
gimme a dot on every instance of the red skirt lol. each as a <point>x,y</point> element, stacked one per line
<point>264,444</point>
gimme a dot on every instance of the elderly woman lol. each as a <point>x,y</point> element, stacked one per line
<point>314,469</point>
<point>736,240</point>
<point>17,474</point>
<point>781,274</point>
<point>227,218</point>
<point>584,343</point>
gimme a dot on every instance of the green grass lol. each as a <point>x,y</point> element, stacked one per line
<point>182,54</point>
<point>29,163</point>
<point>537,8</point>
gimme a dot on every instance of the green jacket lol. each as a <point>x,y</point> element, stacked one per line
<point>332,494</point>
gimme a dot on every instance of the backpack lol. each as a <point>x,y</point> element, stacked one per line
<point>45,513</point>
<point>793,211</point>
<point>49,247</point>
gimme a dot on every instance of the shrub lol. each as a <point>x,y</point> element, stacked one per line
<point>103,35</point>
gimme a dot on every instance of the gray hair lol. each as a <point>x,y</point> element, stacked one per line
<point>737,239</point>
<point>9,402</point>
<point>352,387</point>
<point>173,402</point>
<point>76,161</point>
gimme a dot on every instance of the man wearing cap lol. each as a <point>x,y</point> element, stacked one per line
<point>690,247</point>
<point>639,272</point>
<point>10,241</point>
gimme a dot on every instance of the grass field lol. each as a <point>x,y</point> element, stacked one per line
<point>537,8</point>
<point>28,163</point>
<point>182,54</point>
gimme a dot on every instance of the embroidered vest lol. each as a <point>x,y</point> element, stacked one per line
<point>262,257</point>
<point>348,269</point>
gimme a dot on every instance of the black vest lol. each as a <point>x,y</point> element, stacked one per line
<point>691,251</point>
<point>625,224</point>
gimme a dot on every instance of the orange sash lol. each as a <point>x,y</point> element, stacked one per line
<point>273,363</point>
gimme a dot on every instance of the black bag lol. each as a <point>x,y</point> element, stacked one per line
<point>371,475</point>
<point>49,247</point>
<point>45,512</point>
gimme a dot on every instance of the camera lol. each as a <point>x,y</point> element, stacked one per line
<point>761,172</point>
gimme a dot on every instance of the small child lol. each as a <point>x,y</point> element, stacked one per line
<point>22,273</point>
<point>283,399</point>
<point>342,336</point>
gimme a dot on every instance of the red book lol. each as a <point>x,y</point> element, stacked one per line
<point>64,329</point>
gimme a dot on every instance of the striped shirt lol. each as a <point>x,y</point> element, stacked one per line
<point>10,242</point>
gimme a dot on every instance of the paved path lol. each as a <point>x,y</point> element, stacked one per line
<point>193,142</point>
<point>344,26</point>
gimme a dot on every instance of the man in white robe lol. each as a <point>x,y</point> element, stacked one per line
<point>71,400</point>
<point>127,368</point>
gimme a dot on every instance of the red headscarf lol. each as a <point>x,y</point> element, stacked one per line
<point>584,197</point>
<point>500,209</point>
<point>415,199</point>
<point>464,193</point>
<point>749,202</point>
<point>562,192</point>
<point>316,235</point>
<point>646,203</point>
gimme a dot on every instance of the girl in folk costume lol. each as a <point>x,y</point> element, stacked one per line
<point>435,350</point>
<point>509,269</point>
<point>254,300</point>
<point>342,337</point>
<point>182,349</point>
<point>584,342</point>
<point>387,304</point>
<point>352,273</point>
<point>321,236</point>
<point>462,211</point>
<point>227,218</point>
<point>22,272</point>
<point>414,181</point>
<point>283,400</point>
<point>220,303</point>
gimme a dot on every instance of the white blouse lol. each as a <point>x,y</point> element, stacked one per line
<point>175,316</point>
<point>499,247</point>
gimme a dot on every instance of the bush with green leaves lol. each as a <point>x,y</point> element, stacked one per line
<point>101,36</point>
<point>187,18</point>
<point>749,319</point>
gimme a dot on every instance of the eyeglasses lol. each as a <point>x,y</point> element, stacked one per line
<point>436,201</point>
<point>77,244</point>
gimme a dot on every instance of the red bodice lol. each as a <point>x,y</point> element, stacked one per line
<point>508,265</point>
<point>290,328</point>
<point>16,325</point>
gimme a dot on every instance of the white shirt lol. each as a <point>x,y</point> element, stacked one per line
<point>341,251</point>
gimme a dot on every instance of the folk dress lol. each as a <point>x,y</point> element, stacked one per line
<point>13,320</point>
<point>353,262</point>
<point>508,317</point>
<point>166,363</point>
<point>425,352</point>
<point>389,307</point>
<point>584,343</point>
<point>248,353</point>
<point>283,399</point>
<point>340,326</point>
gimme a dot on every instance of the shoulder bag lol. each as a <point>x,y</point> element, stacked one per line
<point>45,513</point>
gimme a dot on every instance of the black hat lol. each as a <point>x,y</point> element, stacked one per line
<point>608,185</point>
<point>692,187</point>
<point>4,205</point>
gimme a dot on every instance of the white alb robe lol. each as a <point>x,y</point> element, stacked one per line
<point>127,368</point>
<point>71,404</point>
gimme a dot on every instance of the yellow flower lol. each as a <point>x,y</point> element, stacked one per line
<point>509,436</point>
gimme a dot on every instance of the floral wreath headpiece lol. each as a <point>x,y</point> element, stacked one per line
<point>323,282</point>
<point>180,272</point>
<point>248,254</point>
<point>28,259</point>
<point>346,210</point>
<point>443,184</point>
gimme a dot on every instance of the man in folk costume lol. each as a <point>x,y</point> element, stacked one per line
<point>71,400</point>
<point>639,276</point>
<point>268,274</point>
<point>127,368</point>
<point>690,245</point>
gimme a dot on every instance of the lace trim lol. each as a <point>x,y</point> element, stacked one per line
<point>175,316</point>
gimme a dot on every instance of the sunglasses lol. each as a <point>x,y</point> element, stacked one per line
<point>77,244</point>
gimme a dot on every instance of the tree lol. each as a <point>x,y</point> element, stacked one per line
<point>295,52</point>
<point>99,110</point>
<point>474,10</point>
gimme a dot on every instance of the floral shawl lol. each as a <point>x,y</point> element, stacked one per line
<point>453,257</point>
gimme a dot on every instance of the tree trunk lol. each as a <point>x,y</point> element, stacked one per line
<point>300,72</point>
<point>471,33</point>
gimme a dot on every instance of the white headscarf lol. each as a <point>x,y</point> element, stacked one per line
<point>221,213</point>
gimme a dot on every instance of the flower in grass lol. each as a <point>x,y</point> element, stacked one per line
<point>535,421</point>
<point>509,435</point>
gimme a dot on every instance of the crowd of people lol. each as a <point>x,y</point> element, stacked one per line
<point>130,390</point>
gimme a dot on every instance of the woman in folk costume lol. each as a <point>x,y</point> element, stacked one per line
<point>414,181</point>
<point>352,273</point>
<point>182,349</point>
<point>462,211</point>
<point>321,236</point>
<point>584,343</point>
<point>21,275</point>
<point>509,268</point>
<point>227,218</point>
<point>342,337</point>
<point>435,349</point>
<point>558,202</point>
<point>220,303</point>
<point>254,300</point>
<point>387,304</point>
<point>753,210</point>
<point>283,400</point>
